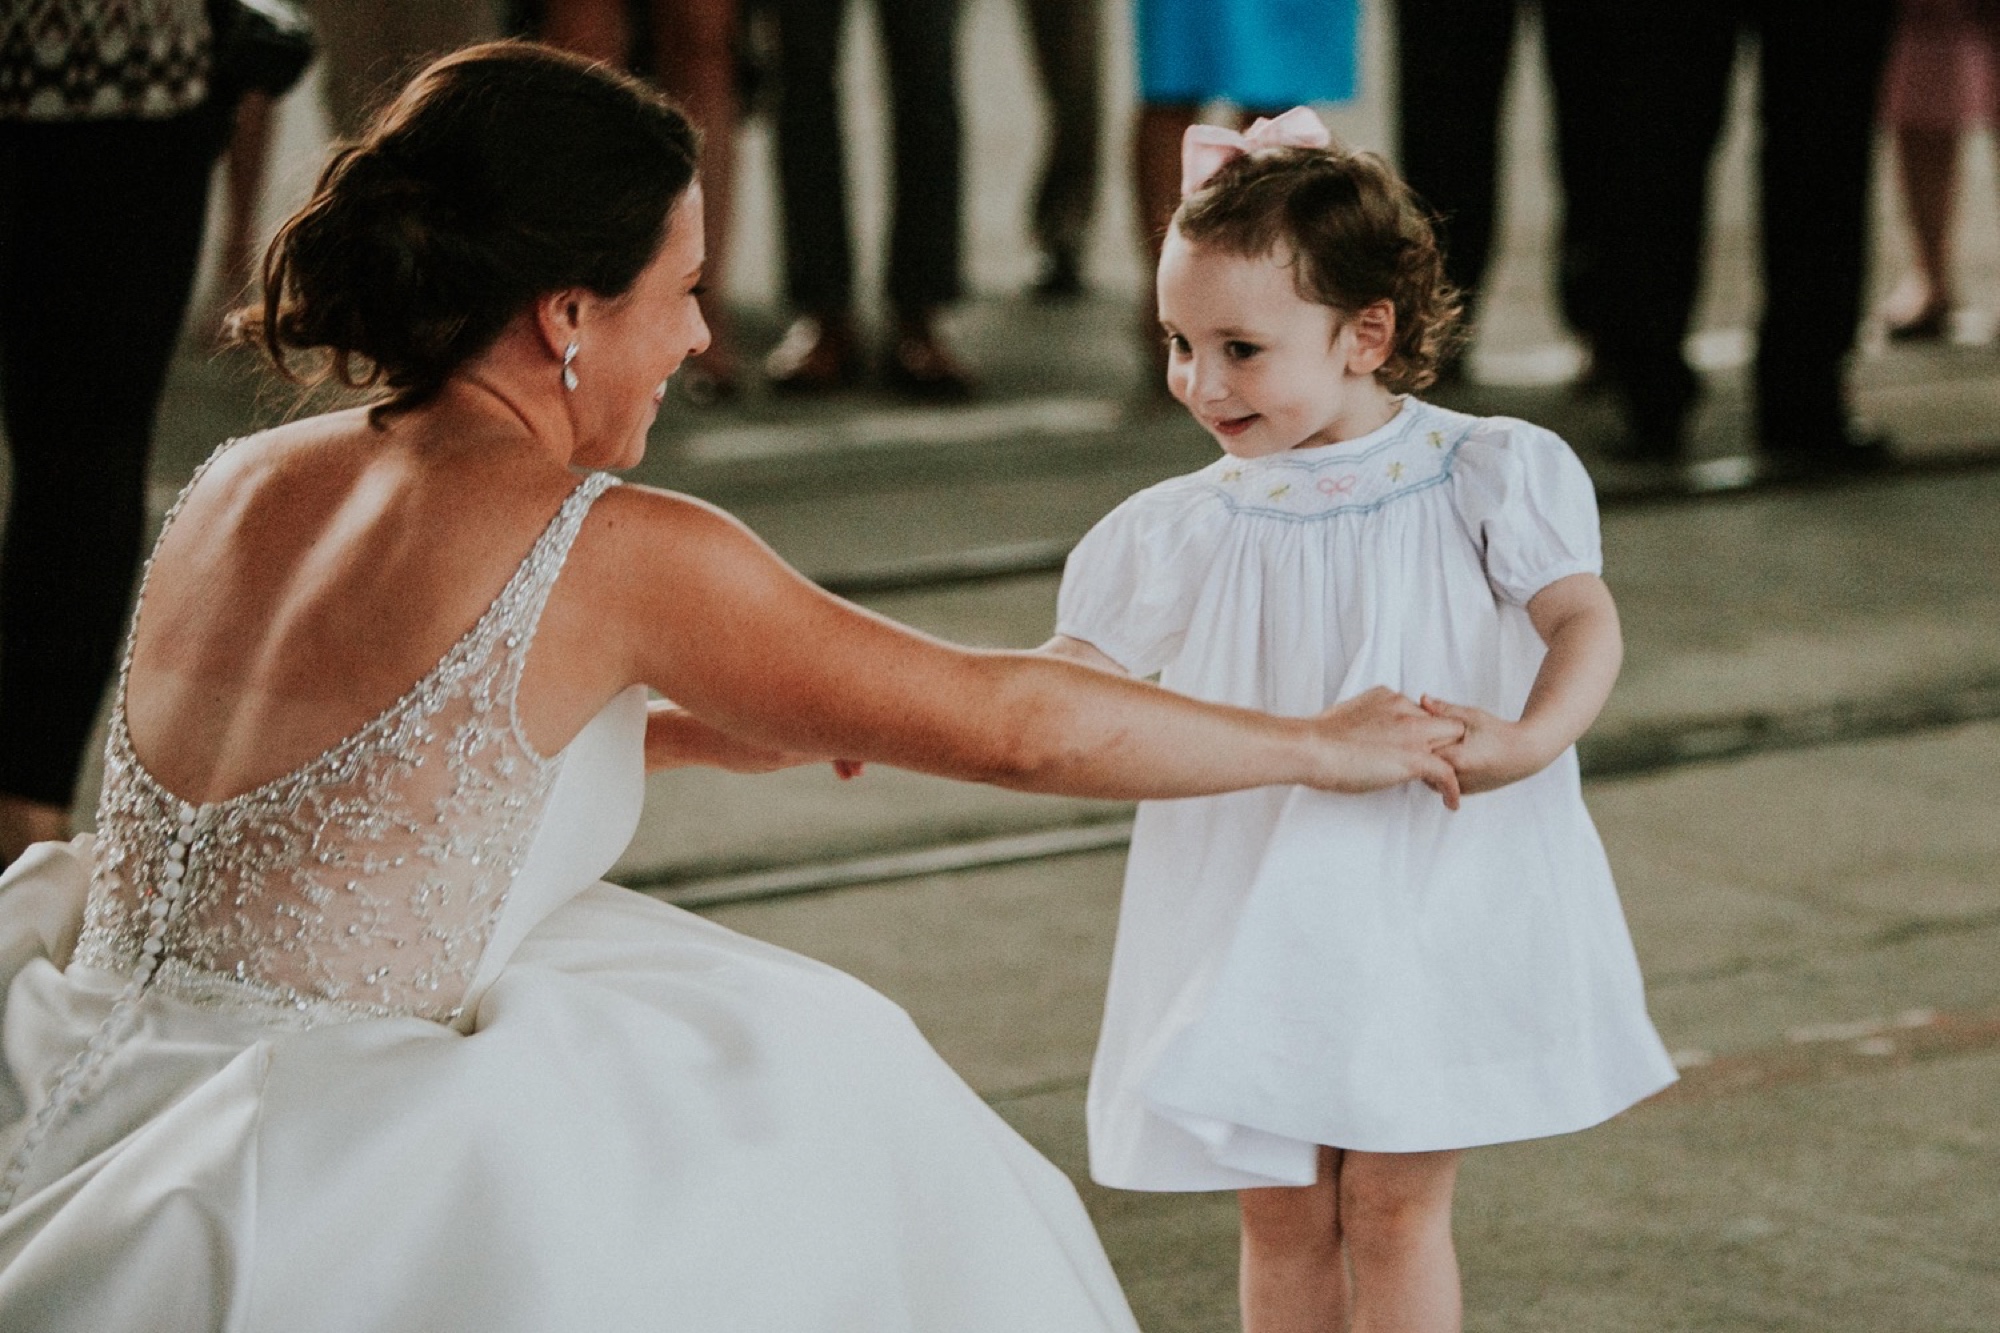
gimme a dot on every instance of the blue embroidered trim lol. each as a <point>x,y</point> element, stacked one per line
<point>1251,488</point>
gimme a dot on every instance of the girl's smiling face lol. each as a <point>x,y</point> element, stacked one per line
<point>1260,367</point>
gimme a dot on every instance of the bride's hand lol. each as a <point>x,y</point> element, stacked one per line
<point>1380,739</point>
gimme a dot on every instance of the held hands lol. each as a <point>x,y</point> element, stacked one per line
<point>1384,739</point>
<point>1494,751</point>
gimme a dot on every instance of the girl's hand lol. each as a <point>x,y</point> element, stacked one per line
<point>1494,752</point>
<point>1578,621</point>
<point>1382,739</point>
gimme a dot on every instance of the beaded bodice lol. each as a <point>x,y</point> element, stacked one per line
<point>367,881</point>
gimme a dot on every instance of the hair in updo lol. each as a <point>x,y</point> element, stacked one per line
<point>1353,234</point>
<point>502,173</point>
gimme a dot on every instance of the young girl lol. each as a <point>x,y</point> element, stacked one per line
<point>1320,1002</point>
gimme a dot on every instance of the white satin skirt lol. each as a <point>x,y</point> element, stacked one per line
<point>654,1123</point>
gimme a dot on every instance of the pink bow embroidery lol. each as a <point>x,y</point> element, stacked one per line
<point>1204,148</point>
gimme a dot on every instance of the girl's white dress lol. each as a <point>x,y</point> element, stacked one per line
<point>1376,973</point>
<point>369,1048</point>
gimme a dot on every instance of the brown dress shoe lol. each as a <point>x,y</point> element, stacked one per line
<point>918,366</point>
<point>818,354</point>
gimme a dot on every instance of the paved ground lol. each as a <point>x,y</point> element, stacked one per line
<point>1805,739</point>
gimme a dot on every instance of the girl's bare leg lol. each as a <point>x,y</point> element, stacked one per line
<point>1927,161</point>
<point>595,29</point>
<point>1395,1212</point>
<point>1156,182</point>
<point>247,164</point>
<point>1294,1277</point>
<point>24,822</point>
<point>694,58</point>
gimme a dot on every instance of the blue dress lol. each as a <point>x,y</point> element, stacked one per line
<point>1262,55</point>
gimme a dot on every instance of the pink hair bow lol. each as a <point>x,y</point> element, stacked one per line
<point>1204,148</point>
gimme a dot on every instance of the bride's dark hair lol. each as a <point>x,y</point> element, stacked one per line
<point>503,172</point>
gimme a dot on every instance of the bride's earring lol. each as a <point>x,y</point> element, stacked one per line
<point>569,366</point>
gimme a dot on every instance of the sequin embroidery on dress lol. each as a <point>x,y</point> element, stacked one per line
<point>365,882</point>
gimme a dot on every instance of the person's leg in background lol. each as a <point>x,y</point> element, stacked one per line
<point>694,57</point>
<point>1176,75</point>
<point>1067,36</point>
<point>1820,69</point>
<point>1451,72</point>
<point>1673,60</point>
<point>97,259</point>
<point>1575,36</point>
<point>369,48</point>
<point>821,351</point>
<point>1933,90</point>
<point>926,264</point>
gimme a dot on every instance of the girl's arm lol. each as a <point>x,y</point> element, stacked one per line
<point>1579,622</point>
<point>706,614</point>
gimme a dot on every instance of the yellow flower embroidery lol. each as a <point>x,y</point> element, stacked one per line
<point>1234,474</point>
<point>1437,439</point>
<point>1395,471</point>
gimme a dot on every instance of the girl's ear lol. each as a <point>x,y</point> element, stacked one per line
<point>556,316</point>
<point>1374,327</point>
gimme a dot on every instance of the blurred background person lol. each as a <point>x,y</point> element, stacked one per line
<point>1819,69</point>
<point>366,50</point>
<point>821,351</point>
<point>108,132</point>
<point>689,49</point>
<point>1066,38</point>
<point>1943,61</point>
<point>369,48</point>
<point>1452,60</point>
<point>1262,57</point>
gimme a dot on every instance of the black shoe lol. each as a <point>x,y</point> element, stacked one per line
<point>1061,278</point>
<point>1657,398</point>
<point>1844,450</point>
<point>1658,438</point>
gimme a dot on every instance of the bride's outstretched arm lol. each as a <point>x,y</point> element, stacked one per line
<point>676,738</point>
<point>704,612</point>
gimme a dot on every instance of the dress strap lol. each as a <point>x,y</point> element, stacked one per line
<point>516,614</point>
<point>146,570</point>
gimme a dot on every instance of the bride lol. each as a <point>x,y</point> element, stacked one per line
<point>329,1026</point>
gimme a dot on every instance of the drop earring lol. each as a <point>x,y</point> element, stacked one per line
<point>569,366</point>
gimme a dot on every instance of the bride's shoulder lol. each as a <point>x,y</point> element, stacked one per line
<point>281,451</point>
<point>638,513</point>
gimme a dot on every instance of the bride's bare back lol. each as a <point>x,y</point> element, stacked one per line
<point>313,576</point>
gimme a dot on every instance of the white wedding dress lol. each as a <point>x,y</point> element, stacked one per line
<point>369,1048</point>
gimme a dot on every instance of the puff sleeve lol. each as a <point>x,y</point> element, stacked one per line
<point>1528,506</point>
<point>1130,586</point>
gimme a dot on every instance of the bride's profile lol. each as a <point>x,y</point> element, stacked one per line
<point>331,1024</point>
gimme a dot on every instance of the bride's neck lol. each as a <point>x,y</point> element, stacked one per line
<point>499,395</point>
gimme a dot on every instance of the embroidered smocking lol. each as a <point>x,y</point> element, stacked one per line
<point>1314,484</point>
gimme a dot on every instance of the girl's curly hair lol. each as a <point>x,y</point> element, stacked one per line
<point>1353,234</point>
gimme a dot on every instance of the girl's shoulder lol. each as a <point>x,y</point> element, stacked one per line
<point>1178,503</point>
<point>1503,460</point>
<point>1525,501</point>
